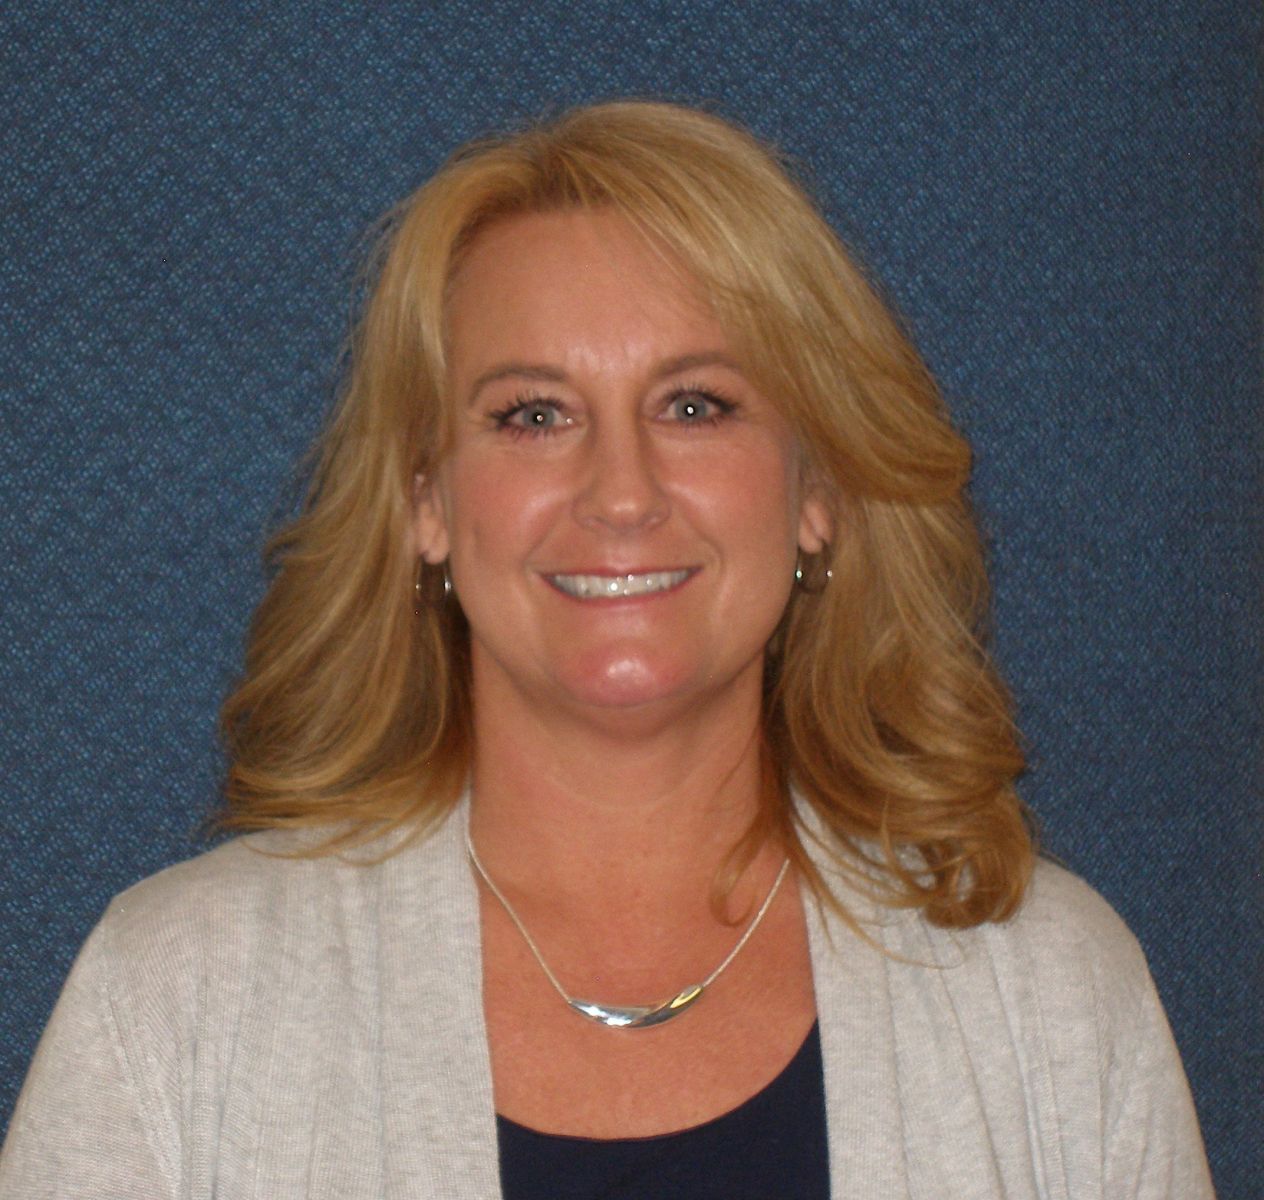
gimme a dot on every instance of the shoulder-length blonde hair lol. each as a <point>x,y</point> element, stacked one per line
<point>881,707</point>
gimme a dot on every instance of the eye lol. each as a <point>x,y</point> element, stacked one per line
<point>530,416</point>
<point>693,406</point>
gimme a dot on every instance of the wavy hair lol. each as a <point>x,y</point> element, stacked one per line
<point>882,708</point>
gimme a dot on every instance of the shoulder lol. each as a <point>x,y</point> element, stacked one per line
<point>204,929</point>
<point>1063,927</point>
<point>241,870</point>
<point>1074,943</point>
<point>228,892</point>
<point>1058,899</point>
<point>267,901</point>
<point>1063,932</point>
<point>1064,960</point>
<point>1059,1001</point>
<point>1060,911</point>
<point>1064,979</point>
<point>1065,963</point>
<point>172,942</point>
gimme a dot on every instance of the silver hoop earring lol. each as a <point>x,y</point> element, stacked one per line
<point>812,580</point>
<point>419,595</point>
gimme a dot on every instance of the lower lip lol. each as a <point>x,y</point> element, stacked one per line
<point>637,597</point>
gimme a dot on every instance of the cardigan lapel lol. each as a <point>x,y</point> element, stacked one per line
<point>925,1064</point>
<point>439,1113</point>
<point>853,1006</point>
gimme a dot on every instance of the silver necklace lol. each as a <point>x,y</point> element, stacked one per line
<point>631,1016</point>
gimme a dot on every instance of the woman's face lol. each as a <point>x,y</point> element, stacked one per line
<point>621,508</point>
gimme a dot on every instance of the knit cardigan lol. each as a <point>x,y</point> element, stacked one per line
<point>243,1025</point>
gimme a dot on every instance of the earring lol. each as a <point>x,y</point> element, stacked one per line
<point>814,580</point>
<point>419,599</point>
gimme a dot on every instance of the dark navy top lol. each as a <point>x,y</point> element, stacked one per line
<point>773,1145</point>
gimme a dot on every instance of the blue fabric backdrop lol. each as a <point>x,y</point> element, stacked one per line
<point>1061,198</point>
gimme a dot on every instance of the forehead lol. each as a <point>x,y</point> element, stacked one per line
<point>569,286</point>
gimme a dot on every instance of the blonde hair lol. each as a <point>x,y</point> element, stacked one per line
<point>882,709</point>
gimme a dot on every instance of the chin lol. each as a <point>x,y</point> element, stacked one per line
<point>626,683</point>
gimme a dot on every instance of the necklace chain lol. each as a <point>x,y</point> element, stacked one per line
<point>626,1016</point>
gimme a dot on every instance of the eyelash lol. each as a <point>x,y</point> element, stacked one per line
<point>503,418</point>
<point>723,406</point>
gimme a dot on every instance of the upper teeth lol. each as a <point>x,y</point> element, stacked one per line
<point>587,587</point>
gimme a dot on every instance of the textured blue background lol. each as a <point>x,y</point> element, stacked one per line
<point>1061,198</point>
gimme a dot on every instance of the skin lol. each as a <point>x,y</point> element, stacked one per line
<point>605,427</point>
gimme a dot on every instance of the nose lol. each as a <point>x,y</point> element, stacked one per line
<point>622,488</point>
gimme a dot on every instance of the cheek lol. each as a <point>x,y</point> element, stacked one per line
<point>496,509</point>
<point>753,499</point>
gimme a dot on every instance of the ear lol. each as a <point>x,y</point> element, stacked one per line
<point>430,525</point>
<point>816,524</point>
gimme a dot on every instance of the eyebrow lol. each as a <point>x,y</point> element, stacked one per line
<point>516,371</point>
<point>545,374</point>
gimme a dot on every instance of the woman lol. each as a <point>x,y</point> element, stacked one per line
<point>637,798</point>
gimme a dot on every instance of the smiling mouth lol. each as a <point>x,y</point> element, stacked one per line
<point>617,587</point>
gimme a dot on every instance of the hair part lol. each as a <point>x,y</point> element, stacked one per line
<point>882,708</point>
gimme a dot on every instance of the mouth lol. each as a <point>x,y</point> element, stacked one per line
<point>618,587</point>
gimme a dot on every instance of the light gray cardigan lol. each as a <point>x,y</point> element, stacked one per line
<point>246,1026</point>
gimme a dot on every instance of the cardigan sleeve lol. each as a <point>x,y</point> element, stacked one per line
<point>82,1128</point>
<point>1153,1149</point>
<point>1122,1104</point>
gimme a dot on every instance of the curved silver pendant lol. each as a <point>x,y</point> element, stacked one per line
<point>637,1016</point>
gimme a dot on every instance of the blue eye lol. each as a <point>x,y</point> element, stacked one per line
<point>529,417</point>
<point>537,415</point>
<point>694,407</point>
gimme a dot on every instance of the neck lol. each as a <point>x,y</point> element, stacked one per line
<point>648,807</point>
